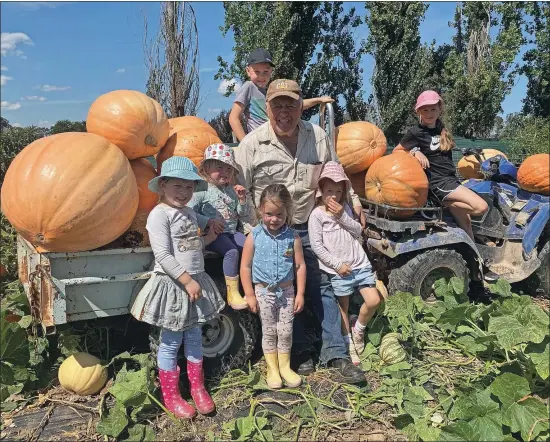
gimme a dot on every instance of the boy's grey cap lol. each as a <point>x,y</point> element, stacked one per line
<point>259,55</point>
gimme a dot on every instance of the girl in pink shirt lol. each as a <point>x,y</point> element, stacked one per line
<point>336,240</point>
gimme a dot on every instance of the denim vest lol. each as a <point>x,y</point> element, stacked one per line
<point>273,261</point>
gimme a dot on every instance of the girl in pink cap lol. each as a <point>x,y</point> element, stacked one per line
<point>336,241</point>
<point>431,144</point>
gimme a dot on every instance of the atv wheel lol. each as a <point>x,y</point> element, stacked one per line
<point>538,283</point>
<point>227,341</point>
<point>418,275</point>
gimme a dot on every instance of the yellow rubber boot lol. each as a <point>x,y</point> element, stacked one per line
<point>234,298</point>
<point>273,377</point>
<point>291,378</point>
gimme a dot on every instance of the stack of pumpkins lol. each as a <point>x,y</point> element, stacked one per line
<point>394,180</point>
<point>74,192</point>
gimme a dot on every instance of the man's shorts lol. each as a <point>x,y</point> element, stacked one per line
<point>358,279</point>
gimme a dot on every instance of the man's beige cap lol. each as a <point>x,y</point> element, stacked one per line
<point>283,87</point>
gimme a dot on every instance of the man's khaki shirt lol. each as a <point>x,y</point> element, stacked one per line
<point>263,160</point>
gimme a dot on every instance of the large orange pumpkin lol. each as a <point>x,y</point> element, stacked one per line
<point>534,174</point>
<point>70,192</point>
<point>187,143</point>
<point>358,183</point>
<point>189,122</point>
<point>397,180</point>
<point>131,120</point>
<point>469,166</point>
<point>358,145</point>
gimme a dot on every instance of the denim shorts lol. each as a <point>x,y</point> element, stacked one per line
<point>357,279</point>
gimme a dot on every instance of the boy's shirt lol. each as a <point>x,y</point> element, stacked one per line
<point>253,99</point>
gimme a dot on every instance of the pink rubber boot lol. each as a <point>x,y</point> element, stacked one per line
<point>169,385</point>
<point>203,401</point>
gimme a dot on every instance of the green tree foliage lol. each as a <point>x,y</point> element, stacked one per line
<point>403,66</point>
<point>310,42</point>
<point>479,71</point>
<point>537,61</point>
<point>526,135</point>
<point>221,124</point>
<point>68,126</point>
<point>4,124</point>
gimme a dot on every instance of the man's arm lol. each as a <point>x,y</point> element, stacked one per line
<point>310,102</point>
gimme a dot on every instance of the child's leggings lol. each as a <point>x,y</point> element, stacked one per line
<point>276,314</point>
<point>230,246</point>
<point>170,342</point>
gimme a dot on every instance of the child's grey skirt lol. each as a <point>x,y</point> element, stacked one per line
<point>168,304</point>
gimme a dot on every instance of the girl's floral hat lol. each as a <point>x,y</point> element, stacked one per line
<point>220,152</point>
<point>335,172</point>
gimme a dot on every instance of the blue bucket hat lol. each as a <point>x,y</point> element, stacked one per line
<point>178,167</point>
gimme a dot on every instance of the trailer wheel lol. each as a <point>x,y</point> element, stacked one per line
<point>418,274</point>
<point>227,341</point>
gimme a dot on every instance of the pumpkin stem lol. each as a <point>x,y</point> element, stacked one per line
<point>150,141</point>
<point>39,237</point>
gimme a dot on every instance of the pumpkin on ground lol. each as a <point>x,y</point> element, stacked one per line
<point>358,183</point>
<point>189,122</point>
<point>137,234</point>
<point>82,373</point>
<point>391,351</point>
<point>130,120</point>
<point>469,166</point>
<point>397,180</point>
<point>358,145</point>
<point>70,192</point>
<point>186,143</point>
<point>534,174</point>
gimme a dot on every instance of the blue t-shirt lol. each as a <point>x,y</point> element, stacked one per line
<point>273,259</point>
<point>253,99</point>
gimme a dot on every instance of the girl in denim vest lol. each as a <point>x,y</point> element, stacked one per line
<point>272,254</point>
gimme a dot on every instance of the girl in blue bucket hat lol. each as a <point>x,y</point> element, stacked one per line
<point>183,296</point>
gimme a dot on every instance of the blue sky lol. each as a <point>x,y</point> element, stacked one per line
<point>58,57</point>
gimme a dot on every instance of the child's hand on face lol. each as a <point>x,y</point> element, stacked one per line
<point>334,207</point>
<point>298,303</point>
<point>241,193</point>
<point>216,225</point>
<point>344,270</point>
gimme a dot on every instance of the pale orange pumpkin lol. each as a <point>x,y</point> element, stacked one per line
<point>469,166</point>
<point>358,145</point>
<point>70,192</point>
<point>397,180</point>
<point>358,183</point>
<point>130,120</point>
<point>186,143</point>
<point>534,174</point>
<point>189,122</point>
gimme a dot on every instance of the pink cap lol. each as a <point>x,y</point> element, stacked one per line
<point>335,172</point>
<point>426,98</point>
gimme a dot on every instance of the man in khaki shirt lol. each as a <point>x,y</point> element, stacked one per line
<point>287,150</point>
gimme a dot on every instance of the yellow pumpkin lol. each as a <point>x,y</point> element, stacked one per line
<point>534,174</point>
<point>187,143</point>
<point>358,145</point>
<point>131,120</point>
<point>189,122</point>
<point>70,192</point>
<point>469,166</point>
<point>82,373</point>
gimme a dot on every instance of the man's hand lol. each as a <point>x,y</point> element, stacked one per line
<point>193,290</point>
<point>361,215</point>
<point>216,225</point>
<point>335,208</point>
<point>326,99</point>
<point>344,270</point>
<point>241,193</point>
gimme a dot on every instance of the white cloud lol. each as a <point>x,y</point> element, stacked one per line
<point>34,98</point>
<point>50,88</point>
<point>10,40</point>
<point>120,71</point>
<point>3,68</point>
<point>4,79</point>
<point>224,84</point>
<point>44,123</point>
<point>16,125</point>
<point>9,106</point>
<point>216,110</point>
